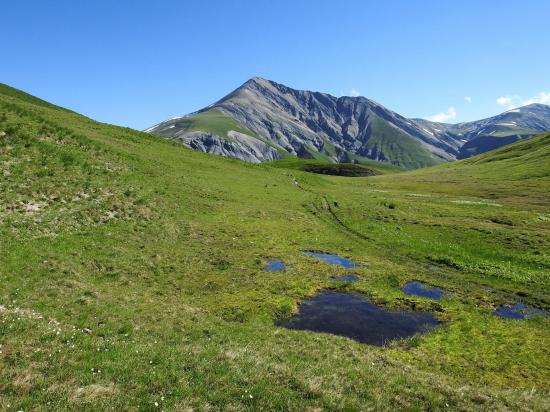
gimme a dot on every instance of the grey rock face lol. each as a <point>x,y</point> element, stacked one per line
<point>293,118</point>
<point>241,147</point>
<point>346,128</point>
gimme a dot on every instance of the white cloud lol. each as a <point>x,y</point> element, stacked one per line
<point>442,117</point>
<point>354,93</point>
<point>468,99</point>
<point>505,100</point>
<point>513,102</point>
<point>542,97</point>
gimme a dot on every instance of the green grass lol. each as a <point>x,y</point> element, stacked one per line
<point>397,146</point>
<point>513,132</point>
<point>374,163</point>
<point>212,121</point>
<point>328,148</point>
<point>131,273</point>
<point>502,130</point>
<point>310,153</point>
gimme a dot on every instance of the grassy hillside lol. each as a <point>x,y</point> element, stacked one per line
<point>6,90</point>
<point>528,158</point>
<point>131,272</point>
<point>396,145</point>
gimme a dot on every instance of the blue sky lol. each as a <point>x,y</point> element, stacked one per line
<point>135,63</point>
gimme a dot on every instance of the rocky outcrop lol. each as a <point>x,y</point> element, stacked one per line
<point>237,145</point>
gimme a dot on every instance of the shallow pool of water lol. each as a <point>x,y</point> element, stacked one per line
<point>275,265</point>
<point>417,288</point>
<point>518,310</point>
<point>353,316</point>
<point>333,259</point>
<point>346,278</point>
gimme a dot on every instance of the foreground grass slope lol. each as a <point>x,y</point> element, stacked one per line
<point>131,272</point>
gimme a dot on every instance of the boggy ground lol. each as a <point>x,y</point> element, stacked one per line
<point>132,276</point>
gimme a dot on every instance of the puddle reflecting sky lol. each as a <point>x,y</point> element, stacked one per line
<point>419,289</point>
<point>353,316</point>
<point>275,265</point>
<point>333,259</point>
<point>517,311</point>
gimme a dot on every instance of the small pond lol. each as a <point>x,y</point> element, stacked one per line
<point>346,278</point>
<point>275,265</point>
<point>417,288</point>
<point>518,310</point>
<point>353,316</point>
<point>333,259</point>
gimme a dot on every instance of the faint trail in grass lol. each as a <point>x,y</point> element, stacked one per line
<point>339,222</point>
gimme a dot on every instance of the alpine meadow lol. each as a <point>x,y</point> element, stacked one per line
<point>274,248</point>
<point>132,274</point>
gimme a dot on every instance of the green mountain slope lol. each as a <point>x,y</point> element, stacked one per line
<point>525,157</point>
<point>131,273</point>
<point>396,146</point>
<point>212,121</point>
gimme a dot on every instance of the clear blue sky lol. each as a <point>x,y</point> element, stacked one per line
<point>135,63</point>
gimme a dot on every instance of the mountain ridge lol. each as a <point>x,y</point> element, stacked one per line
<point>302,123</point>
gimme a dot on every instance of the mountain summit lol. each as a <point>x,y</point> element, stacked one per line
<point>263,120</point>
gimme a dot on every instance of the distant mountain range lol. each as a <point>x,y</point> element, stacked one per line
<point>263,120</point>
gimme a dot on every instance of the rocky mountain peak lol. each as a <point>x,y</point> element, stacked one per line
<point>341,129</point>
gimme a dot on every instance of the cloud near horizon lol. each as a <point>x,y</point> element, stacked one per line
<point>541,97</point>
<point>506,100</point>
<point>354,92</point>
<point>443,117</point>
<point>512,102</point>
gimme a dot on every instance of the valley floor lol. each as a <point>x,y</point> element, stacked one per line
<point>132,277</point>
